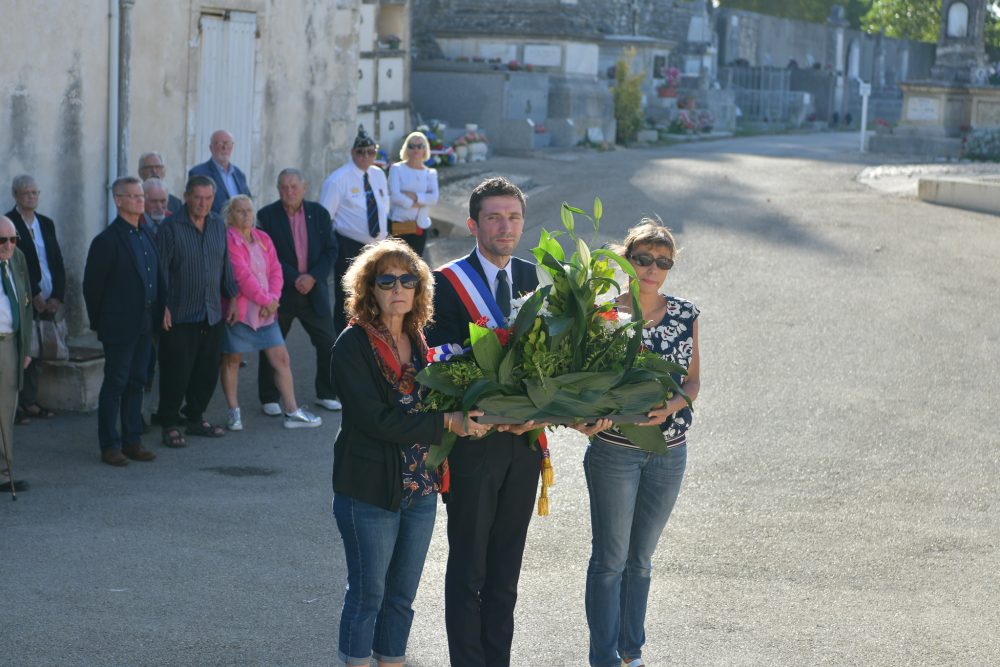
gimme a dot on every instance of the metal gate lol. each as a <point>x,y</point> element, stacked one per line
<point>762,93</point>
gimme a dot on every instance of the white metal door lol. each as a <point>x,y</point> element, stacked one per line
<point>366,81</point>
<point>390,79</point>
<point>226,85</point>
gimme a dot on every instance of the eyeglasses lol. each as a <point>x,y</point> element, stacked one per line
<point>365,151</point>
<point>387,281</point>
<point>415,147</point>
<point>4,240</point>
<point>29,193</point>
<point>645,259</point>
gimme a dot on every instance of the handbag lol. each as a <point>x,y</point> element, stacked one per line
<point>48,340</point>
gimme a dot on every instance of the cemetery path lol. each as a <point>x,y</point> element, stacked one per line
<point>841,502</point>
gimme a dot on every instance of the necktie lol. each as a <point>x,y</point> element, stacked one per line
<point>503,293</point>
<point>373,226</point>
<point>8,289</point>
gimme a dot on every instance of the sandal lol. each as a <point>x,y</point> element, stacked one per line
<point>37,411</point>
<point>205,429</point>
<point>21,418</point>
<point>172,437</point>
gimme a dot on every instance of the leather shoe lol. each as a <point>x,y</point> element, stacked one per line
<point>114,457</point>
<point>19,486</point>
<point>137,453</point>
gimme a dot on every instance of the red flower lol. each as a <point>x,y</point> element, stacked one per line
<point>482,322</point>
<point>610,315</point>
<point>503,335</point>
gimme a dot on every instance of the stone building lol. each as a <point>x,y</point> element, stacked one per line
<point>281,76</point>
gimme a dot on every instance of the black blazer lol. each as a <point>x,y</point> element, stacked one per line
<point>113,286</point>
<point>52,252</point>
<point>322,248</point>
<point>451,318</point>
<point>367,459</point>
<point>209,169</point>
<point>174,204</point>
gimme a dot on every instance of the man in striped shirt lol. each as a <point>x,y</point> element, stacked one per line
<point>194,262</point>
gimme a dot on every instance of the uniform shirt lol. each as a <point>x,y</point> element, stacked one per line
<point>343,195</point>
<point>6,312</point>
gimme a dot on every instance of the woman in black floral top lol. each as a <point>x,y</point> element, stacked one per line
<point>632,491</point>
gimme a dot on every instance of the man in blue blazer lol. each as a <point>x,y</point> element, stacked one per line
<point>123,290</point>
<point>307,250</point>
<point>493,479</point>
<point>229,180</point>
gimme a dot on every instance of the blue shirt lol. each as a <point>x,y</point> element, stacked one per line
<point>229,178</point>
<point>145,254</point>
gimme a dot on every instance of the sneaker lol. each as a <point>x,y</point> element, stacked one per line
<point>271,409</point>
<point>234,423</point>
<point>302,419</point>
<point>633,663</point>
<point>331,404</point>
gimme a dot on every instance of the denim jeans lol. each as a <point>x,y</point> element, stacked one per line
<point>385,556</point>
<point>631,495</point>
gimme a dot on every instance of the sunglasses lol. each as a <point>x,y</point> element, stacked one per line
<point>4,240</point>
<point>414,147</point>
<point>365,151</point>
<point>645,259</point>
<point>388,281</point>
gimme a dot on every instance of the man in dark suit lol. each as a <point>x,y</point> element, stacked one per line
<point>47,273</point>
<point>122,289</point>
<point>307,249</point>
<point>229,180</point>
<point>15,338</point>
<point>493,480</point>
<point>151,167</point>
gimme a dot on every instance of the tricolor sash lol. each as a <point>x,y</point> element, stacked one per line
<point>474,292</point>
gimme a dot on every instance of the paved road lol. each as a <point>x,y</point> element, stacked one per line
<point>842,498</point>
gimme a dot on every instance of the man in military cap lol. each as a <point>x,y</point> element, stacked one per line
<point>357,197</point>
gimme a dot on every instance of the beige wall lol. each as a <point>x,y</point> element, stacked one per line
<point>54,102</point>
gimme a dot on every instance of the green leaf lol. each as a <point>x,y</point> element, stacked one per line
<point>625,265</point>
<point>486,349</point>
<point>505,374</point>
<point>647,438</point>
<point>436,454</point>
<point>478,389</point>
<point>574,209</point>
<point>598,212</point>
<point>529,311</point>
<point>435,376</point>
<point>514,407</point>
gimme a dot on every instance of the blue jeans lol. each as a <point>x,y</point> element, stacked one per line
<point>385,557</point>
<point>631,495</point>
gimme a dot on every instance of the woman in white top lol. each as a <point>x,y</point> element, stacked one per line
<point>413,189</point>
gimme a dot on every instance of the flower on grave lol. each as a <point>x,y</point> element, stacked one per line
<point>671,76</point>
<point>569,351</point>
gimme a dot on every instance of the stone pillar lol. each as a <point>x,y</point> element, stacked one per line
<point>961,52</point>
<point>838,22</point>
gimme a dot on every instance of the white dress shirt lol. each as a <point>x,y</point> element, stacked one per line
<point>422,182</point>
<point>343,195</point>
<point>45,284</point>
<point>6,314</point>
<point>492,270</point>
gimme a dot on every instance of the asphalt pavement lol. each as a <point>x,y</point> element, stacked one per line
<point>841,502</point>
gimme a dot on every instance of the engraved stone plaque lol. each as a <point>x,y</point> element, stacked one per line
<point>543,55</point>
<point>987,114</point>
<point>927,109</point>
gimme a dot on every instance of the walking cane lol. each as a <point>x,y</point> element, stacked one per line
<point>10,469</point>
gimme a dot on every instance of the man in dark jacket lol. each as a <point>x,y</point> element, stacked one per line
<point>493,480</point>
<point>229,180</point>
<point>46,270</point>
<point>307,249</point>
<point>122,288</point>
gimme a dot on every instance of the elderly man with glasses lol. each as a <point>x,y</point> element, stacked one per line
<point>357,197</point>
<point>15,337</point>
<point>228,178</point>
<point>151,168</point>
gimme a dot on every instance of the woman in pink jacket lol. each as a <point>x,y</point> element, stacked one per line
<point>258,275</point>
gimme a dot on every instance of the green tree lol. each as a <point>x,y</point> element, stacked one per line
<point>627,94</point>
<point>905,19</point>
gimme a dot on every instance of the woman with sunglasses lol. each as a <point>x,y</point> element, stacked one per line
<point>632,492</point>
<point>413,188</point>
<point>385,499</point>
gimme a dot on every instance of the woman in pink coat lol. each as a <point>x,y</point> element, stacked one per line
<point>258,275</point>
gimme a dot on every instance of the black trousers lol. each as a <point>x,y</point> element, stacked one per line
<point>416,241</point>
<point>120,400</point>
<point>189,370</point>
<point>493,486</point>
<point>321,334</point>
<point>348,249</point>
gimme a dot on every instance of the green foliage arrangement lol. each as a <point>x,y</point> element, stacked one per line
<point>627,95</point>
<point>983,145</point>
<point>569,355</point>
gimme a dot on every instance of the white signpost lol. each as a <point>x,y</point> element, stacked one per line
<point>865,89</point>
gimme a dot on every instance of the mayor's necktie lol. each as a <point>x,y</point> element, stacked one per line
<point>503,293</point>
<point>8,289</point>
<point>373,226</point>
